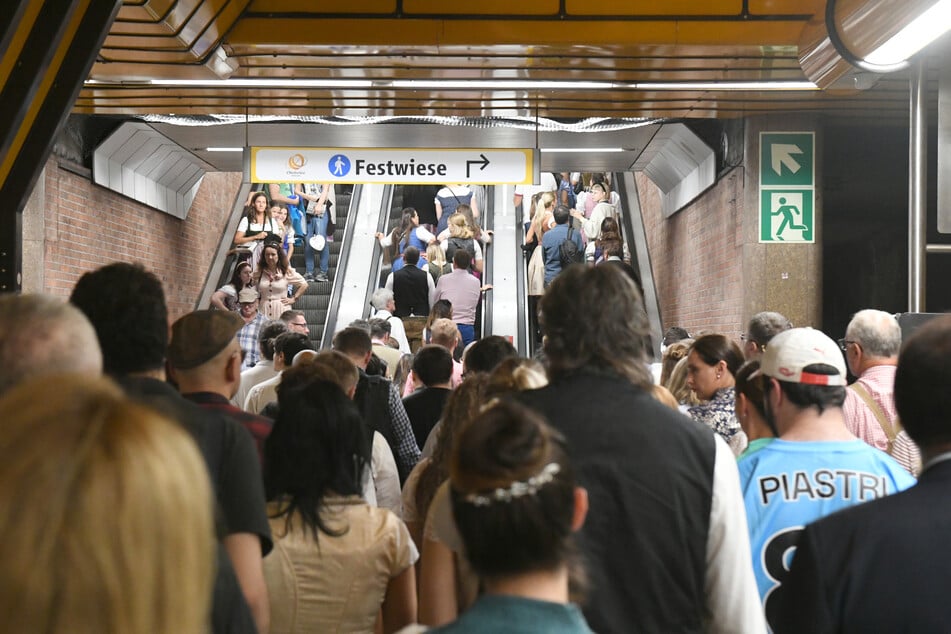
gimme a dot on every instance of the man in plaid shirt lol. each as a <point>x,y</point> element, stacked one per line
<point>253,321</point>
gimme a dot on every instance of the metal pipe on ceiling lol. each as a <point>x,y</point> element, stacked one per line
<point>835,43</point>
<point>917,190</point>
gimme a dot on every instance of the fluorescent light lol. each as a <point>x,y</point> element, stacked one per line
<point>501,84</point>
<point>581,149</point>
<point>467,84</point>
<point>224,149</point>
<point>921,32</point>
<point>262,82</point>
<point>726,85</point>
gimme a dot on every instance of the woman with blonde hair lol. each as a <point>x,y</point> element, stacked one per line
<point>542,220</point>
<point>436,260</point>
<point>482,236</point>
<point>673,354</point>
<point>462,237</point>
<point>677,384</point>
<point>106,518</point>
<point>543,217</point>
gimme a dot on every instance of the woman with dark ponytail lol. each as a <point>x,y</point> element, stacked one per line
<point>338,562</point>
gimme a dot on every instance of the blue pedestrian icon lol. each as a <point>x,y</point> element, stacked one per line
<point>339,165</point>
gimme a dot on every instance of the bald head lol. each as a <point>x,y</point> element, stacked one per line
<point>44,335</point>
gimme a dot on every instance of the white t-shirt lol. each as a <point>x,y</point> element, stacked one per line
<point>527,191</point>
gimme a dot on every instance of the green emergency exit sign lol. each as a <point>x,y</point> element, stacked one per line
<point>787,184</point>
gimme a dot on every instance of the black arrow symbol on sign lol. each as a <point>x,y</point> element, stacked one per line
<point>484,162</point>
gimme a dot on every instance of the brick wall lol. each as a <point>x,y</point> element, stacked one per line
<point>711,272</point>
<point>697,256</point>
<point>87,226</point>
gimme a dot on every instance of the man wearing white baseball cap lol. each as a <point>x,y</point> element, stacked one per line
<point>815,466</point>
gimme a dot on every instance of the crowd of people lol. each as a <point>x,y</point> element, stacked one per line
<point>276,221</point>
<point>569,218</point>
<point>437,258</point>
<point>223,475</point>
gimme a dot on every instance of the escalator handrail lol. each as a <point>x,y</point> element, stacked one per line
<point>376,261</point>
<point>330,323</point>
<point>525,334</point>
<point>488,224</point>
<point>228,260</point>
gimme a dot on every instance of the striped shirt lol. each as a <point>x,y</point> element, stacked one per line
<point>879,380</point>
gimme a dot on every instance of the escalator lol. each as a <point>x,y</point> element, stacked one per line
<point>316,301</point>
<point>634,235</point>
<point>391,212</point>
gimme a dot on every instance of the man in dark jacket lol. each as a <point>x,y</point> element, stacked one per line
<point>378,401</point>
<point>413,290</point>
<point>665,542</point>
<point>126,306</point>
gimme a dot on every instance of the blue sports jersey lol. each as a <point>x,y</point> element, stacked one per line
<point>787,485</point>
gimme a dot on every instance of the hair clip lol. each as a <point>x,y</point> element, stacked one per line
<point>517,489</point>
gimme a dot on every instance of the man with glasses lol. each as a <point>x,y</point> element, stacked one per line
<point>295,320</point>
<point>871,345</point>
<point>761,329</point>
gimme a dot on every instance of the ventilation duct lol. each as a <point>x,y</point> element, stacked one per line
<point>138,162</point>
<point>679,163</point>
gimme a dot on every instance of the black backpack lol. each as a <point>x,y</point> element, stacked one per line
<point>568,252</point>
<point>466,244</point>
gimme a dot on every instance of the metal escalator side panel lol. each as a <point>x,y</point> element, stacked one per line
<point>508,303</point>
<point>632,221</point>
<point>357,258</point>
<point>222,265</point>
<point>487,223</point>
<point>343,268</point>
<point>376,266</point>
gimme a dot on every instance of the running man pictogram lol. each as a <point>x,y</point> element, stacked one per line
<point>787,212</point>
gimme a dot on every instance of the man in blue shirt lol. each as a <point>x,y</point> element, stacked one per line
<point>882,566</point>
<point>815,466</point>
<point>551,242</point>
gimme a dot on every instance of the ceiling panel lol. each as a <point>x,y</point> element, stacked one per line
<point>616,41</point>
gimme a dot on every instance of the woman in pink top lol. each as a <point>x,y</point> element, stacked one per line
<point>272,278</point>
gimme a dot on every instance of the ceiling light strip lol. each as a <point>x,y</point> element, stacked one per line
<point>467,84</point>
